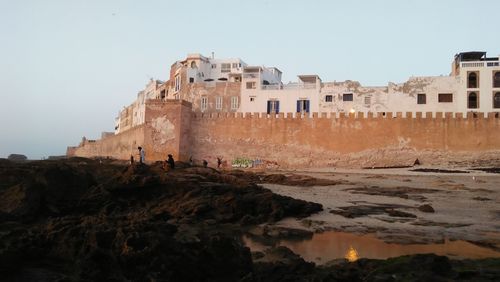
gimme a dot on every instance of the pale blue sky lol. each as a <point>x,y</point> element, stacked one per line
<point>68,67</point>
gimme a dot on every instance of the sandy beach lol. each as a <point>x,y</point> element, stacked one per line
<point>403,206</point>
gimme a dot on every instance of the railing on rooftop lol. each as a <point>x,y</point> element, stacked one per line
<point>251,75</point>
<point>289,86</point>
<point>272,87</point>
<point>309,85</point>
<point>479,64</point>
<point>473,65</point>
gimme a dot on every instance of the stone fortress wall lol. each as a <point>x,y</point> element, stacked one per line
<point>294,140</point>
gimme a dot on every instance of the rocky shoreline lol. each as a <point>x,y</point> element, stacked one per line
<point>101,220</point>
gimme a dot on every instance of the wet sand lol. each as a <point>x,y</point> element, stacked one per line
<point>385,203</point>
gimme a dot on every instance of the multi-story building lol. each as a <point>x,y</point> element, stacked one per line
<point>263,91</point>
<point>230,85</point>
<point>472,86</point>
<point>134,114</point>
<point>479,86</point>
<point>210,84</point>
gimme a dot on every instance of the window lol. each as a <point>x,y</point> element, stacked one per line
<point>251,85</point>
<point>218,103</point>
<point>225,68</point>
<point>302,106</point>
<point>328,98</point>
<point>235,65</point>
<point>368,100</point>
<point>252,99</point>
<point>162,94</point>
<point>496,100</point>
<point>273,106</point>
<point>472,80</point>
<point>496,79</point>
<point>214,66</point>
<point>472,101</point>
<point>234,103</point>
<point>191,79</point>
<point>204,104</point>
<point>445,98</point>
<point>347,97</point>
<point>421,99</point>
<point>177,83</point>
<point>193,65</point>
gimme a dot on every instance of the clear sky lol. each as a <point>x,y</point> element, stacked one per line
<point>68,67</point>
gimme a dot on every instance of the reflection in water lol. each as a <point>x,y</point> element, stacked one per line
<point>327,246</point>
<point>351,254</point>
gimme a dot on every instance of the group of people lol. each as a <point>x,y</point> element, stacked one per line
<point>170,160</point>
<point>142,156</point>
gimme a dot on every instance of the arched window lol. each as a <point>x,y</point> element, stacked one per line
<point>496,100</point>
<point>472,80</point>
<point>193,65</point>
<point>472,101</point>
<point>496,79</point>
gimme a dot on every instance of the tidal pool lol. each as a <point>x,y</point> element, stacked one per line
<point>326,246</point>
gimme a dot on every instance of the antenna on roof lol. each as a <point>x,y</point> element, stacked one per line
<point>213,55</point>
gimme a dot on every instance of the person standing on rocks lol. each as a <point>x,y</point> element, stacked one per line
<point>142,155</point>
<point>171,161</point>
<point>219,162</point>
<point>205,163</point>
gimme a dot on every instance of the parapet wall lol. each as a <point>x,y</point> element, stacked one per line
<point>348,140</point>
<point>293,140</point>
<point>119,146</point>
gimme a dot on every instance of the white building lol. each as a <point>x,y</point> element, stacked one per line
<point>139,109</point>
<point>204,69</point>
<point>263,91</point>
<point>472,86</point>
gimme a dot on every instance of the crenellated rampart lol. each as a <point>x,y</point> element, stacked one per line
<point>292,140</point>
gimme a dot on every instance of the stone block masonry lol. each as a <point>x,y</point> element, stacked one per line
<point>291,140</point>
<point>165,131</point>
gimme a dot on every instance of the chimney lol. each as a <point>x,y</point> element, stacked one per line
<point>213,55</point>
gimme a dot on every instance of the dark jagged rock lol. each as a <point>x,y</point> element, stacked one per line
<point>426,208</point>
<point>284,179</point>
<point>489,169</point>
<point>101,220</point>
<point>373,209</point>
<point>399,192</point>
<point>82,219</point>
<point>435,170</point>
<point>17,158</point>
<point>281,264</point>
